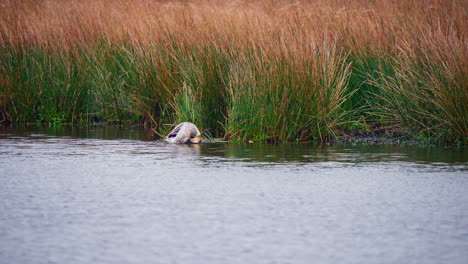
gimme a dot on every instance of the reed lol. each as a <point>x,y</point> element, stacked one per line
<point>244,70</point>
<point>279,99</point>
<point>428,95</point>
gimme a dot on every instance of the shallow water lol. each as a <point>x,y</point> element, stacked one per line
<point>112,195</point>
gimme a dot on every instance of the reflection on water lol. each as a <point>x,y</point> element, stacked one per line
<point>113,195</point>
<point>258,153</point>
<point>305,153</point>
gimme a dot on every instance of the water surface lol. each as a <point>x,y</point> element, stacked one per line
<point>112,195</point>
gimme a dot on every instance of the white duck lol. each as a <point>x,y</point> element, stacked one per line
<point>184,133</point>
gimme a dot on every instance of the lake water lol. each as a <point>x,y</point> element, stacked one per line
<point>112,195</point>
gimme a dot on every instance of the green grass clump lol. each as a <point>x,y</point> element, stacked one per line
<point>37,86</point>
<point>271,99</point>
<point>427,97</point>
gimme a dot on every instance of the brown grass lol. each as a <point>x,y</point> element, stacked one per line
<point>278,27</point>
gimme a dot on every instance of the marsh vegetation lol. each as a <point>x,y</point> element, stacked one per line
<point>242,70</point>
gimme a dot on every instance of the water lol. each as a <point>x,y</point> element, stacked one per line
<point>110,195</point>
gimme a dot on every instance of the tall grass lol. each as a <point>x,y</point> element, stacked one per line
<point>244,70</point>
<point>287,98</point>
<point>428,95</point>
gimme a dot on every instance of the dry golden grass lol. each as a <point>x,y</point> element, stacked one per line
<point>278,27</point>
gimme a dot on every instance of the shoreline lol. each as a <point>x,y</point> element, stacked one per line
<point>267,71</point>
<point>358,138</point>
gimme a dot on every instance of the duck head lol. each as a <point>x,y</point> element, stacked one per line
<point>194,140</point>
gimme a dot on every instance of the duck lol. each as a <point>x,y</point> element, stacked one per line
<point>184,133</point>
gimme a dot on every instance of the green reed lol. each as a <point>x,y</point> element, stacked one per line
<point>249,96</point>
